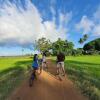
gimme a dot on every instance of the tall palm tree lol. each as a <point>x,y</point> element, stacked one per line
<point>85,37</point>
<point>81,41</point>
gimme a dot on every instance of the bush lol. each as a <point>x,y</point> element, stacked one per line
<point>92,45</point>
<point>77,52</point>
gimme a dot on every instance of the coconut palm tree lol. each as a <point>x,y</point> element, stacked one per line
<point>85,37</point>
<point>81,41</point>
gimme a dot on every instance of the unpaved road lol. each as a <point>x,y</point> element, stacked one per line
<point>47,87</point>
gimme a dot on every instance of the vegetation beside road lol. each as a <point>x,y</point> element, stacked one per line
<point>12,73</point>
<point>84,71</point>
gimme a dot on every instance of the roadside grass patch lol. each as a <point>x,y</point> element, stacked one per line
<point>84,71</point>
<point>12,73</point>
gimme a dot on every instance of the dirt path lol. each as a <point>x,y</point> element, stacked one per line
<point>48,87</point>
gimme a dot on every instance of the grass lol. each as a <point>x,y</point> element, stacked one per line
<point>10,62</point>
<point>12,72</point>
<point>84,71</point>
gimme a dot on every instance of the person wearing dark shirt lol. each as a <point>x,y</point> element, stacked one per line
<point>60,63</point>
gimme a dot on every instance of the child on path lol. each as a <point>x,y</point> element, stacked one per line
<point>35,64</point>
<point>60,63</point>
<point>44,62</point>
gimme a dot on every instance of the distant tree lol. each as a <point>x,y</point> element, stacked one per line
<point>77,52</point>
<point>85,37</point>
<point>92,46</point>
<point>81,41</point>
<point>97,44</point>
<point>63,46</point>
<point>57,46</point>
<point>89,46</point>
<point>43,44</point>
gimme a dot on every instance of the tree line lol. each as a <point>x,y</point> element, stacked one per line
<point>67,47</point>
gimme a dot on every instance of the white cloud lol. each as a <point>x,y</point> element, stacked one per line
<point>85,25</point>
<point>96,15</point>
<point>52,33</point>
<point>22,27</point>
<point>96,18</point>
<point>90,25</point>
<point>65,18</point>
<point>96,30</point>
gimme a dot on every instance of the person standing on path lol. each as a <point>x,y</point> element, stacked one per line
<point>44,62</point>
<point>60,63</point>
<point>40,62</point>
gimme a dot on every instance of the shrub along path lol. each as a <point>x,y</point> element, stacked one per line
<point>48,87</point>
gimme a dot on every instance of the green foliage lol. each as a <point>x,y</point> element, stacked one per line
<point>97,44</point>
<point>78,51</point>
<point>10,62</point>
<point>45,45</point>
<point>92,47</point>
<point>12,73</point>
<point>42,44</point>
<point>84,71</point>
<point>62,46</point>
<point>83,39</point>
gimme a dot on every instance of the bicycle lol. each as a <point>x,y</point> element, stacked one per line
<point>32,76</point>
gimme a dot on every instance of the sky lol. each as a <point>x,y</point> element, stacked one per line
<point>24,21</point>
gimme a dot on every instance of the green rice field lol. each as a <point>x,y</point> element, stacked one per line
<point>84,71</point>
